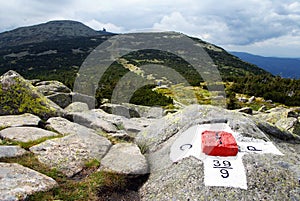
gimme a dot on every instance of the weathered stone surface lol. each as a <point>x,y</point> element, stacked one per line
<point>51,87</point>
<point>163,129</point>
<point>287,123</point>
<point>103,125</point>
<point>125,158</point>
<point>246,110</point>
<point>89,100</point>
<point>66,127</point>
<point>276,132</point>
<point>25,134</point>
<point>77,107</point>
<point>251,99</point>
<point>119,110</point>
<point>121,135</point>
<point>69,154</point>
<point>262,109</point>
<point>19,120</point>
<point>131,126</point>
<point>16,182</point>
<point>135,125</point>
<point>266,178</point>
<point>273,115</point>
<point>92,120</point>
<point>285,119</point>
<point>114,119</point>
<point>61,99</point>
<point>131,111</point>
<point>11,151</point>
<point>267,174</point>
<point>20,96</point>
<point>146,111</point>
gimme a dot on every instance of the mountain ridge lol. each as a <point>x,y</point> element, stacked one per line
<point>284,67</point>
<point>61,58</point>
<point>52,30</point>
<point>22,47</point>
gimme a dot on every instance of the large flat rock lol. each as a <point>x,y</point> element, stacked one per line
<point>92,120</point>
<point>61,99</point>
<point>51,87</point>
<point>268,178</point>
<point>16,182</point>
<point>19,120</point>
<point>272,175</point>
<point>66,127</point>
<point>25,134</point>
<point>11,151</point>
<point>172,125</point>
<point>125,158</point>
<point>69,154</point>
<point>130,125</point>
<point>77,107</point>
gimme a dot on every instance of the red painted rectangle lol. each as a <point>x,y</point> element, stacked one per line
<point>219,143</point>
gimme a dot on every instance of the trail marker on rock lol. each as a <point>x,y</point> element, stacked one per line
<point>221,151</point>
<point>219,143</point>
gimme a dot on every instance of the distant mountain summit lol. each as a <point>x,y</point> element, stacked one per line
<point>284,67</point>
<point>53,30</point>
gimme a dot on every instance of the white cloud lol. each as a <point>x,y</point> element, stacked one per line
<point>235,23</point>
<point>283,46</point>
<point>108,26</point>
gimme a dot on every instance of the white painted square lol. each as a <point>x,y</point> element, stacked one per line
<point>225,171</point>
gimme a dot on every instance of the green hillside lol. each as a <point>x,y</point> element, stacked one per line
<point>61,59</point>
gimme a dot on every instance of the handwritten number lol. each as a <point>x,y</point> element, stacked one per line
<point>226,163</point>
<point>224,173</point>
<point>216,163</point>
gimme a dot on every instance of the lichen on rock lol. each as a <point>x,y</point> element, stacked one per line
<point>18,96</point>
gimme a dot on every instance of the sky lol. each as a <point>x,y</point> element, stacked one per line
<point>262,27</point>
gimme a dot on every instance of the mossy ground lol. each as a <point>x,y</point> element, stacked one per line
<point>87,186</point>
<point>27,145</point>
<point>199,94</point>
<point>21,98</point>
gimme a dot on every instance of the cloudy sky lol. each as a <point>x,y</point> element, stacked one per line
<point>263,27</point>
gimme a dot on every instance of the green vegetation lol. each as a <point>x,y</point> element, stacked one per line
<point>64,64</point>
<point>87,188</point>
<point>146,96</point>
<point>277,89</point>
<point>18,99</point>
<point>92,163</point>
<point>27,145</point>
<point>232,102</point>
<point>143,147</point>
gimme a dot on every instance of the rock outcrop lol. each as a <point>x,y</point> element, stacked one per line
<point>91,119</point>
<point>140,142</point>
<point>69,154</point>
<point>20,96</point>
<point>283,122</point>
<point>269,176</point>
<point>16,182</point>
<point>66,127</point>
<point>19,120</point>
<point>51,87</point>
<point>77,107</point>
<point>125,158</point>
<point>25,134</point>
<point>131,110</point>
<point>11,151</point>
